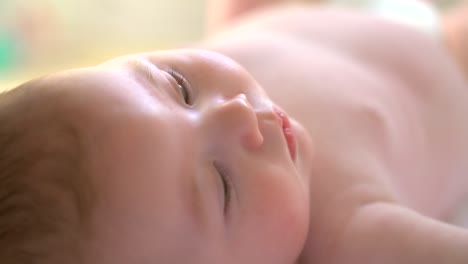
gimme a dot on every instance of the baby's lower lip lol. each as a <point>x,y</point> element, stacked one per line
<point>288,132</point>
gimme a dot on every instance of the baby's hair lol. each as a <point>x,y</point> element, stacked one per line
<point>44,193</point>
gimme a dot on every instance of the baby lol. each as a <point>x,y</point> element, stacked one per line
<point>182,157</point>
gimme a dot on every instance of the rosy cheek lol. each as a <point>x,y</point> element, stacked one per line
<point>276,217</point>
<point>289,221</point>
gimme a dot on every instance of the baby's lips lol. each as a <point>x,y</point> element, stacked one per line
<point>288,131</point>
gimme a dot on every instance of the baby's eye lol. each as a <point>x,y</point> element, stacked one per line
<point>183,86</point>
<point>227,185</point>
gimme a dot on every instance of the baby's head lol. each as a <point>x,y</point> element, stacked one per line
<point>170,157</point>
<point>44,198</point>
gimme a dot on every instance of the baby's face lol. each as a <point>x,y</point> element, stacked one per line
<point>186,171</point>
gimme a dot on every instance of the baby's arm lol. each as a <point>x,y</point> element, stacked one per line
<point>221,12</point>
<point>388,233</point>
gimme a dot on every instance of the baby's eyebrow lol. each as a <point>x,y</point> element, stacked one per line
<point>145,71</point>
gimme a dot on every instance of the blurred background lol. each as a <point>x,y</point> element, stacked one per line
<point>41,36</point>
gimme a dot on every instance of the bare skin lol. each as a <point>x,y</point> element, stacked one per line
<point>386,108</point>
<point>192,158</point>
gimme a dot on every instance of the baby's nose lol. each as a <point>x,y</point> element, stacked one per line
<point>235,120</point>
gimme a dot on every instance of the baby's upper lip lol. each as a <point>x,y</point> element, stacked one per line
<point>287,131</point>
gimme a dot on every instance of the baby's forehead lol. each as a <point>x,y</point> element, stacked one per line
<point>101,104</point>
<point>79,91</point>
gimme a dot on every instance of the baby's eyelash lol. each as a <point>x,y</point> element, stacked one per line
<point>183,86</point>
<point>227,185</point>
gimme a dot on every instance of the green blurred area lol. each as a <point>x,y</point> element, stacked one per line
<point>7,53</point>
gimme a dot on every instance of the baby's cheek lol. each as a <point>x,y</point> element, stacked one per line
<point>275,224</point>
<point>289,216</point>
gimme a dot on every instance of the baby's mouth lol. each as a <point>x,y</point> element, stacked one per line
<point>288,132</point>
